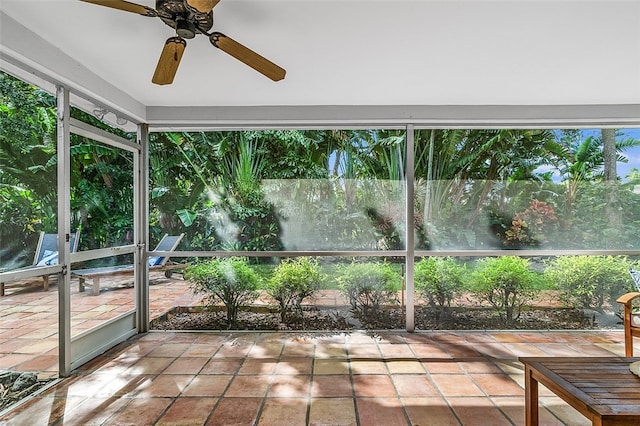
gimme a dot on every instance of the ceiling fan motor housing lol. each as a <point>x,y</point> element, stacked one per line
<point>186,20</point>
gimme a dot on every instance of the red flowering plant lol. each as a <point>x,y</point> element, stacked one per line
<point>529,227</point>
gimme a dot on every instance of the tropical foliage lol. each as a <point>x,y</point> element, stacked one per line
<point>293,281</point>
<point>335,189</point>
<point>230,281</point>
<point>507,283</point>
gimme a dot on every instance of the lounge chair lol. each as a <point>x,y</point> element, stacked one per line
<point>46,255</point>
<point>167,243</point>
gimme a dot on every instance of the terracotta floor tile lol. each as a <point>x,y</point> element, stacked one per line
<point>232,351</point>
<point>497,385</point>
<point>297,349</point>
<point>558,349</point>
<point>523,349</point>
<point>165,385</point>
<point>101,385</point>
<point>208,385</point>
<point>332,411</point>
<point>470,410</point>
<point>373,386</point>
<point>513,408</point>
<point>289,386</point>
<point>481,366</point>
<point>122,386</point>
<point>149,365</point>
<point>40,347</point>
<point>143,411</point>
<point>396,351</point>
<point>380,411</point>
<point>169,350</point>
<point>294,366</point>
<point>40,363</point>
<point>449,337</point>
<point>269,350</point>
<point>186,365</point>
<point>188,411</point>
<point>537,337</point>
<point>331,386</point>
<point>284,412</point>
<point>430,351</point>
<point>248,386</point>
<point>362,339</point>
<point>414,386</point>
<point>405,367</point>
<point>210,339</point>
<point>439,367</point>
<point>331,351</point>
<point>464,350</point>
<point>222,366</point>
<point>368,367</point>
<point>40,411</point>
<point>235,411</point>
<point>330,366</point>
<point>258,366</point>
<point>14,331</point>
<point>507,337</point>
<point>367,351</point>
<point>429,411</point>
<point>92,411</point>
<point>456,385</point>
<point>592,350</point>
<point>205,350</point>
<point>567,414</point>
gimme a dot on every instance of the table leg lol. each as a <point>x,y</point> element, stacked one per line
<point>96,286</point>
<point>530,398</point>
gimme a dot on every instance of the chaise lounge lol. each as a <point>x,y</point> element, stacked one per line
<point>46,255</point>
<point>167,243</point>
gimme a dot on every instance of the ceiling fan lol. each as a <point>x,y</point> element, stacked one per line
<point>189,18</point>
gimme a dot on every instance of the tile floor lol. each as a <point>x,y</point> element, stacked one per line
<point>235,378</point>
<point>29,316</point>
<point>165,378</point>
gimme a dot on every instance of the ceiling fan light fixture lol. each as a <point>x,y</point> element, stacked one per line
<point>185,29</point>
<point>189,18</point>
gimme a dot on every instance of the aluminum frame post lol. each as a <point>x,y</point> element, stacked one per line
<point>64,229</point>
<point>141,228</point>
<point>409,235</point>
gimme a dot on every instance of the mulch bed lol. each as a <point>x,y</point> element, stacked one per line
<point>313,319</point>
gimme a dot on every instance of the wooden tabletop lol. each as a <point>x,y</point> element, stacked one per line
<point>597,387</point>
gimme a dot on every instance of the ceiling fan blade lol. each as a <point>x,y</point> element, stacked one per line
<point>125,5</point>
<point>247,56</point>
<point>169,61</point>
<point>203,6</point>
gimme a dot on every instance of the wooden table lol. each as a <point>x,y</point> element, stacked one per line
<point>602,389</point>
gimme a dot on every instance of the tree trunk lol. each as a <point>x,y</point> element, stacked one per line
<point>609,154</point>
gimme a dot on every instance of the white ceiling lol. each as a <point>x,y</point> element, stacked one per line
<point>342,52</point>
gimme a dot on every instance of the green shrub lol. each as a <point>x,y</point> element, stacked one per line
<point>294,280</point>
<point>231,281</point>
<point>368,286</point>
<point>439,280</point>
<point>590,281</point>
<point>506,283</point>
